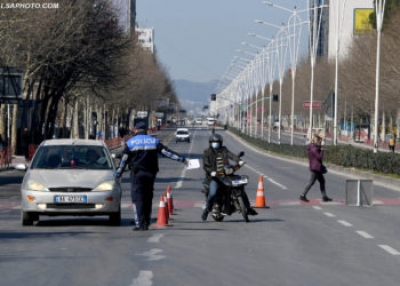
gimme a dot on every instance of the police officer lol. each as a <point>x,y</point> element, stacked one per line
<point>141,154</point>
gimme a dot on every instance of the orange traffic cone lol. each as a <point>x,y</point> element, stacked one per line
<point>260,199</point>
<point>170,201</point>
<point>162,218</point>
<point>166,204</point>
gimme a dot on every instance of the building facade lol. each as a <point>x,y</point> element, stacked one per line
<point>145,37</point>
<point>347,19</point>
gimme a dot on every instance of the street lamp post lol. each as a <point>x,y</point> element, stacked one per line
<point>263,79</point>
<point>380,10</point>
<point>255,77</point>
<point>282,50</point>
<point>271,66</point>
<point>314,40</point>
<point>295,25</point>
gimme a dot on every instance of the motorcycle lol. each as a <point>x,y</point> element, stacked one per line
<point>233,185</point>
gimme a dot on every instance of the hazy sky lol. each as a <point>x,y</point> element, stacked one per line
<point>197,39</point>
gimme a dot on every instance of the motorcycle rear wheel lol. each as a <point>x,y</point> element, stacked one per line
<point>243,209</point>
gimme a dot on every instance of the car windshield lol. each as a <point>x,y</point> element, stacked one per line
<point>182,132</point>
<point>68,157</point>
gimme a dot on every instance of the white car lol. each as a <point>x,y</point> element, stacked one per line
<point>211,121</point>
<point>182,135</point>
<point>198,121</point>
<point>70,177</point>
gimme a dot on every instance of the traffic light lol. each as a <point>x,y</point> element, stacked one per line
<point>213,97</point>
<point>275,97</point>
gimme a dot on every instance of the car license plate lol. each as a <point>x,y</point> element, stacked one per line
<point>70,199</point>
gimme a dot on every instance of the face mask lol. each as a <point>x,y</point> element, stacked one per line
<point>215,145</point>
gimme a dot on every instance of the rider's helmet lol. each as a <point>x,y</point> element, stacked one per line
<point>216,141</point>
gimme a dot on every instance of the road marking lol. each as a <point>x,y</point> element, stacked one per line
<point>364,234</point>
<point>155,238</point>
<point>317,208</point>
<point>345,223</point>
<point>330,214</point>
<point>389,249</point>
<point>291,203</point>
<point>268,178</point>
<point>153,254</point>
<point>144,279</point>
<point>183,174</point>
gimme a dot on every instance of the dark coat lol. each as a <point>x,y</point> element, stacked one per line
<point>315,155</point>
<point>141,153</point>
<point>210,159</point>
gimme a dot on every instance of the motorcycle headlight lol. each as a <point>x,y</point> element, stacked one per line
<point>105,186</point>
<point>36,186</point>
<point>228,171</point>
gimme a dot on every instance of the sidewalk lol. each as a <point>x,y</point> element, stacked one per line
<point>16,159</point>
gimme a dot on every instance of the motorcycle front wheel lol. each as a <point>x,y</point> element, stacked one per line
<point>217,217</point>
<point>243,209</point>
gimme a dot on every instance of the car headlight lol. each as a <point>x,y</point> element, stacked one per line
<point>103,187</point>
<point>36,186</point>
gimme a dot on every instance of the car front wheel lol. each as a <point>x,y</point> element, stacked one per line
<point>28,218</point>
<point>115,218</point>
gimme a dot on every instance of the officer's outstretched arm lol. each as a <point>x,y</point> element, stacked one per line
<point>170,154</point>
<point>122,165</point>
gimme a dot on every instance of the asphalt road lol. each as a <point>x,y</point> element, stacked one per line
<point>291,243</point>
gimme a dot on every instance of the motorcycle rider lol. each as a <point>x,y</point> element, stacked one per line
<point>215,157</point>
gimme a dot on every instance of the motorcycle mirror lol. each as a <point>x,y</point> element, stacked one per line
<point>241,154</point>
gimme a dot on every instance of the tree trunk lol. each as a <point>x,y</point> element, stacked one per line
<point>75,119</point>
<point>14,120</point>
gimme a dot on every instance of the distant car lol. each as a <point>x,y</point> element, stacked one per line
<point>211,121</point>
<point>182,135</point>
<point>70,177</point>
<point>198,121</point>
<point>275,126</point>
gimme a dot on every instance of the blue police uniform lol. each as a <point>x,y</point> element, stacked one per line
<point>141,154</point>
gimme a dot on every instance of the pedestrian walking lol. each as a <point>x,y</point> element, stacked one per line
<point>392,144</point>
<point>141,155</point>
<point>317,169</point>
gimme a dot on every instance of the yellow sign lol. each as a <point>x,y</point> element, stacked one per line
<point>362,24</point>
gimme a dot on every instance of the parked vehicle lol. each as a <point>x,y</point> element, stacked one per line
<point>233,184</point>
<point>182,135</point>
<point>70,177</point>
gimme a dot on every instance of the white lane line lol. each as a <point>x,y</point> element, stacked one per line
<point>144,279</point>
<point>290,203</point>
<point>183,174</point>
<point>155,238</point>
<point>317,208</point>
<point>153,254</point>
<point>267,178</point>
<point>345,223</point>
<point>330,214</point>
<point>275,183</point>
<point>364,234</point>
<point>389,249</point>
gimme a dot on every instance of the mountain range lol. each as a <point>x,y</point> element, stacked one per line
<point>195,96</point>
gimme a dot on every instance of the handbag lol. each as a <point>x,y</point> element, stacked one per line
<point>324,170</point>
